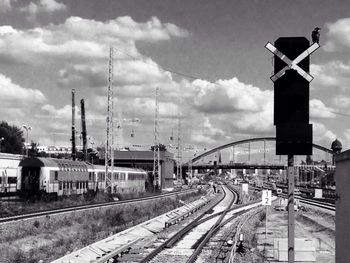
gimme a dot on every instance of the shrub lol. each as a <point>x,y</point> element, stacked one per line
<point>36,224</point>
<point>19,256</point>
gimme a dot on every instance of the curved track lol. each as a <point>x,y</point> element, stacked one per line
<point>189,241</point>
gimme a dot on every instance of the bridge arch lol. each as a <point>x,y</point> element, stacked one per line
<point>207,153</point>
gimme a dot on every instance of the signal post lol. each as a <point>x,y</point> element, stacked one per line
<point>291,109</point>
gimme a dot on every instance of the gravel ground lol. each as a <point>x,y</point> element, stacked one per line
<point>308,224</point>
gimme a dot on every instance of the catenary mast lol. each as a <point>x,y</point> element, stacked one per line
<point>156,163</point>
<point>109,156</point>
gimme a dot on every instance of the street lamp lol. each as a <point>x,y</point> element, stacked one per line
<point>27,128</point>
<point>1,140</point>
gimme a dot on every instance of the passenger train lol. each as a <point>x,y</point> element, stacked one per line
<point>62,177</point>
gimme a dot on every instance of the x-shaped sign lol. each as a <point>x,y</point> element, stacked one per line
<point>292,64</point>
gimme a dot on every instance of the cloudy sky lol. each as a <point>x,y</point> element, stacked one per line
<point>206,56</point>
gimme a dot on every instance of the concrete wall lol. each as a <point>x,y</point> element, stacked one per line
<point>342,177</point>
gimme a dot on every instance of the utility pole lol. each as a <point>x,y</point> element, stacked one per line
<point>157,180</point>
<point>109,155</point>
<point>74,153</point>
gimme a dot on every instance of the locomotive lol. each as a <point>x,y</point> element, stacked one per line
<point>62,177</point>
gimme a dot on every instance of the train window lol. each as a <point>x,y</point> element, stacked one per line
<point>59,185</point>
<point>56,175</point>
<point>71,184</point>
<point>64,185</point>
<point>122,176</point>
<point>90,175</point>
<point>12,180</point>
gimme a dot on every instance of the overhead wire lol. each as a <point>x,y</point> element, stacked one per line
<point>166,69</point>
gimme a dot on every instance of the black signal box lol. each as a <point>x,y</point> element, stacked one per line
<point>294,139</point>
<point>291,99</point>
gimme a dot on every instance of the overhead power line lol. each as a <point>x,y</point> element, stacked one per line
<point>192,76</point>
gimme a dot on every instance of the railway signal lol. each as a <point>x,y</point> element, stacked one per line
<point>291,109</point>
<point>291,102</point>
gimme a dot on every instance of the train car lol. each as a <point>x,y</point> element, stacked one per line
<point>55,177</point>
<point>62,177</point>
<point>8,173</point>
<point>123,180</point>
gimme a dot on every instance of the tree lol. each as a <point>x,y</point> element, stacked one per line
<point>162,148</point>
<point>13,138</point>
<point>33,150</point>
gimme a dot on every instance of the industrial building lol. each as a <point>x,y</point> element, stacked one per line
<point>144,160</point>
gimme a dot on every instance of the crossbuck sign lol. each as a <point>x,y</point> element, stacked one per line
<point>292,64</point>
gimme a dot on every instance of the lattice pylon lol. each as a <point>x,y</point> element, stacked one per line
<point>179,146</point>
<point>157,181</point>
<point>109,152</point>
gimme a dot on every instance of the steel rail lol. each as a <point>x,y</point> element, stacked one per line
<point>86,207</point>
<point>177,236</point>
<point>213,229</point>
<point>315,203</point>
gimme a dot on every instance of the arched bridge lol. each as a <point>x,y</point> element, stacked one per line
<point>256,153</point>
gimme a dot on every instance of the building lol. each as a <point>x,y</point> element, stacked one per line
<point>144,160</point>
<point>342,241</point>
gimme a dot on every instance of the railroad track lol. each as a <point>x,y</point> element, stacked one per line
<point>87,207</point>
<point>313,202</point>
<point>194,235</point>
<point>317,203</point>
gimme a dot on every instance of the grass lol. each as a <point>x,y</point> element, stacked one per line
<point>51,237</point>
<point>12,208</point>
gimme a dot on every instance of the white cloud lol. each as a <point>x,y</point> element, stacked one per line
<point>229,96</point>
<point>81,46</point>
<point>42,6</point>
<point>341,101</point>
<point>322,135</point>
<point>5,6</point>
<point>11,92</point>
<point>338,35</point>
<point>83,38</point>
<point>246,107</point>
<point>332,75</point>
<point>319,110</point>
<point>64,113</point>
